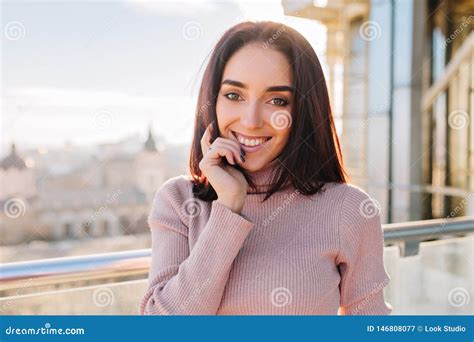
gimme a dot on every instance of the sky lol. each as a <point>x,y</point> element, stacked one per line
<point>96,72</point>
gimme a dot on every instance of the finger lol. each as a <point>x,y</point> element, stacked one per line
<point>232,145</point>
<point>220,151</point>
<point>205,140</point>
<point>231,142</point>
<point>239,155</point>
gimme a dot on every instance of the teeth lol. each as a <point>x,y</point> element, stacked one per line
<point>251,142</point>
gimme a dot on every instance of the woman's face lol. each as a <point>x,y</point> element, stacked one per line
<point>254,103</point>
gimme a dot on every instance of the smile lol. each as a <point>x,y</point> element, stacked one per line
<point>251,143</point>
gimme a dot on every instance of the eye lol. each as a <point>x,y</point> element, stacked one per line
<point>233,96</point>
<point>278,101</point>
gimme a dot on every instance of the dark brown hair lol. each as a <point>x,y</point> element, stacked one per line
<point>312,155</point>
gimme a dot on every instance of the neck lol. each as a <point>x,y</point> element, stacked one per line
<point>263,177</point>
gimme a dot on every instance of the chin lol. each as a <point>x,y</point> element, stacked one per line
<point>251,169</point>
<point>252,166</point>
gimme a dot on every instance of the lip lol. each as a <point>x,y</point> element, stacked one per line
<point>250,149</point>
<point>250,136</point>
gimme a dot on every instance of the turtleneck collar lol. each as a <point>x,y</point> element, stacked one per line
<point>263,177</point>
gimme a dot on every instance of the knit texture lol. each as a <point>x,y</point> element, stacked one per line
<point>290,255</point>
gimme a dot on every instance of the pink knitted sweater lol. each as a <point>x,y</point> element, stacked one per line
<point>290,255</point>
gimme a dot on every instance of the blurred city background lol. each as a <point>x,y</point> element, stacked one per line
<point>97,112</point>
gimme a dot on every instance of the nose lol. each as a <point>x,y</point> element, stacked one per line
<point>251,118</point>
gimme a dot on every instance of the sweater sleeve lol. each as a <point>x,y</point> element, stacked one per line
<point>360,258</point>
<point>184,282</point>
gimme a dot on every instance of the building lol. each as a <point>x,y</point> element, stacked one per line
<point>104,195</point>
<point>407,99</point>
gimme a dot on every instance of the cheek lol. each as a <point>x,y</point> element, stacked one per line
<point>226,113</point>
<point>281,139</point>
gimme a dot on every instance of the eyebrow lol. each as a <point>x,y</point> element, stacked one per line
<point>272,88</point>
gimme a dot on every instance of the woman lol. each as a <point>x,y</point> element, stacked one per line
<point>266,223</point>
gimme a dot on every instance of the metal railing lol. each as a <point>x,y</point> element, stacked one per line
<point>123,265</point>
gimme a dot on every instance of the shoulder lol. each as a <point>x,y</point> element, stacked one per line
<point>355,207</point>
<point>358,213</point>
<point>170,202</point>
<point>176,189</point>
<point>348,196</point>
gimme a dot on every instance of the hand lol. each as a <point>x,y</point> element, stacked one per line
<point>228,182</point>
